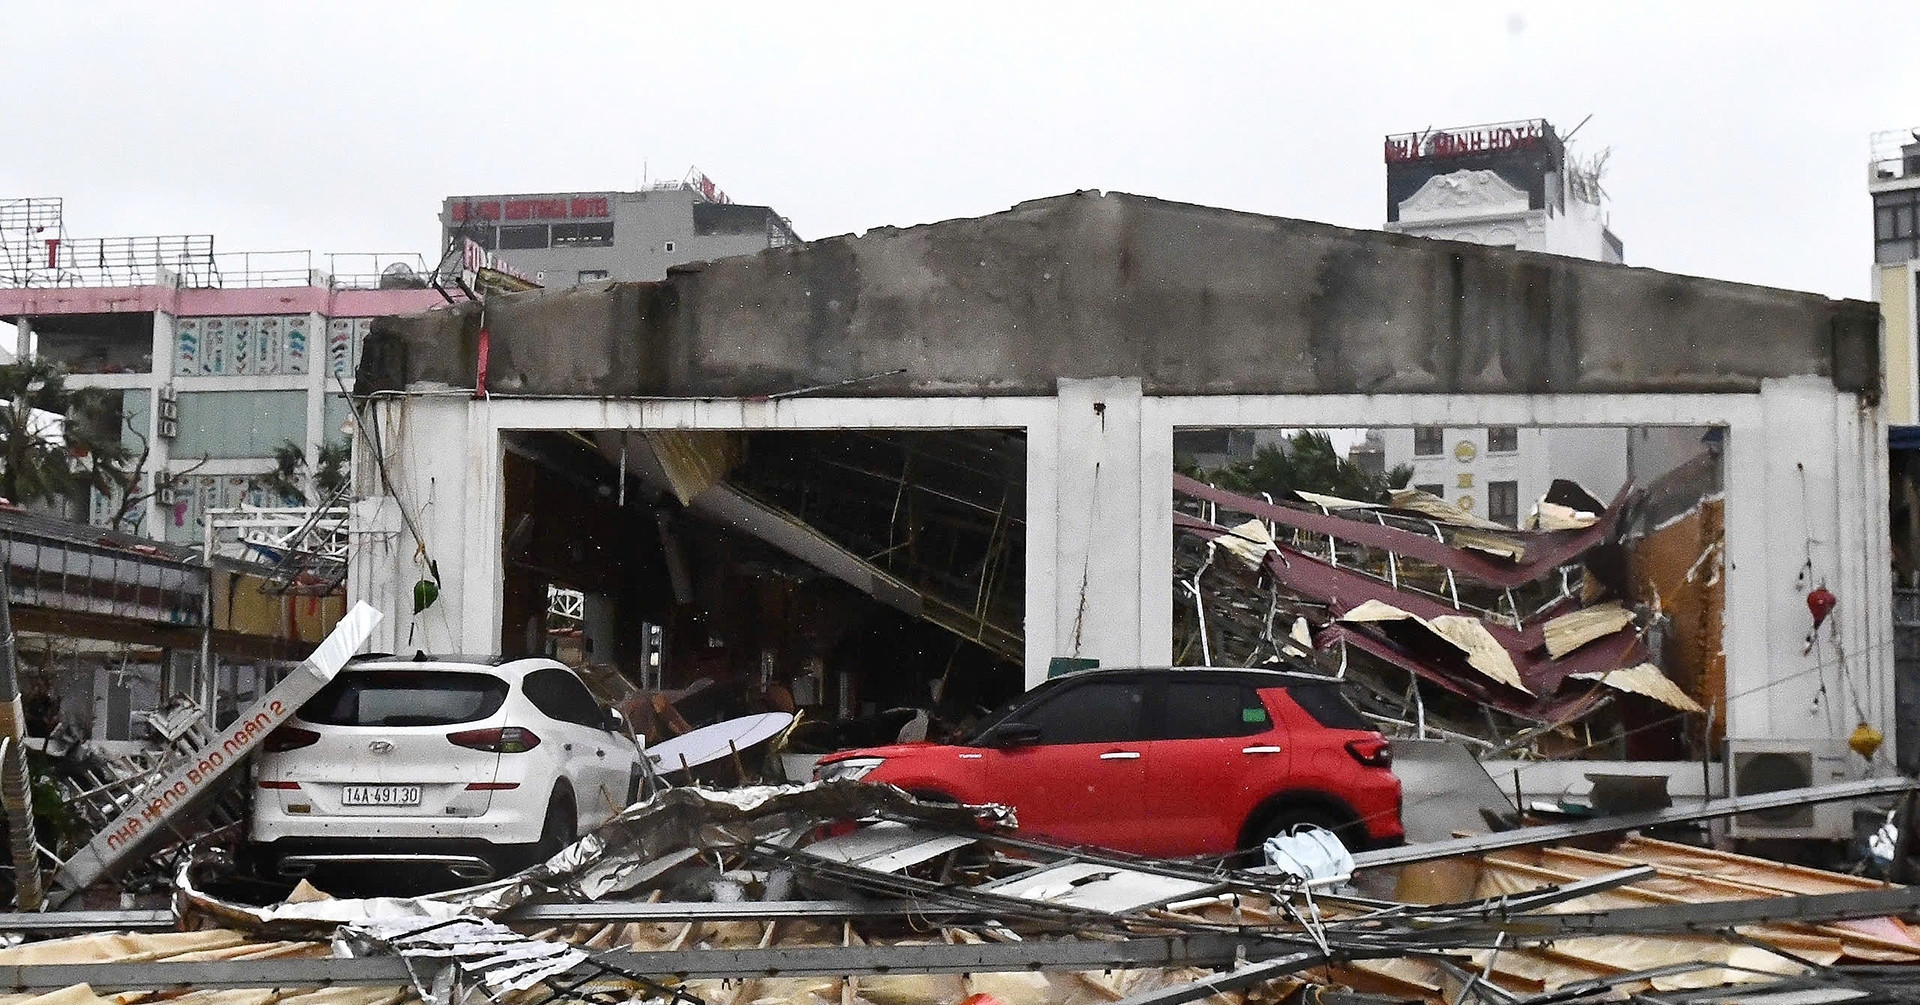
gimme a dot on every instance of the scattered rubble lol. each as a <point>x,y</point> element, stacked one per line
<point>772,895</point>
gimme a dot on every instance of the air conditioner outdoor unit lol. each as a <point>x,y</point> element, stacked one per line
<point>1758,766</point>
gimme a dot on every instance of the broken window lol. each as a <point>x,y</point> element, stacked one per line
<point>1429,440</point>
<point>524,236</point>
<point>1503,503</point>
<point>97,343</point>
<point>583,235</point>
<point>1503,439</point>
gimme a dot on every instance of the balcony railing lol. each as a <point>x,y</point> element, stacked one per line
<point>189,261</point>
<point>1895,156</point>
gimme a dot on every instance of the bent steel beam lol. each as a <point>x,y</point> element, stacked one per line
<point>1726,807</point>
<point>1545,550</point>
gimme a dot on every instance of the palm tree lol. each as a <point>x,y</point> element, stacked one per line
<point>1309,462</point>
<point>56,442</point>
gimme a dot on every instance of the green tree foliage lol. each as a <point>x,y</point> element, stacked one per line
<point>1307,463</point>
<point>49,461</point>
<point>288,481</point>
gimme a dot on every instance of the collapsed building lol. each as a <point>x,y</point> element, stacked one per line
<point>926,465</point>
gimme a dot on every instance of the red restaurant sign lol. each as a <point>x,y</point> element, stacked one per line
<point>581,207</point>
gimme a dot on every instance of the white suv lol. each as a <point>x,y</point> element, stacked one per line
<point>472,764</point>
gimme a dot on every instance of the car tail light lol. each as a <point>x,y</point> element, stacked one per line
<point>266,784</point>
<point>289,738</point>
<point>1372,751</point>
<point>491,786</point>
<point>498,740</point>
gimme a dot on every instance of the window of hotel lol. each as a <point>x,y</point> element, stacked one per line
<point>592,275</point>
<point>1503,440</point>
<point>1434,489</point>
<point>522,236</point>
<point>1503,503</point>
<point>1896,225</point>
<point>582,235</point>
<point>1429,441</point>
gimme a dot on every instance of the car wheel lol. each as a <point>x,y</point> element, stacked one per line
<point>560,828</point>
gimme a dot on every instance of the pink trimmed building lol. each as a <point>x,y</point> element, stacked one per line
<point>215,366</point>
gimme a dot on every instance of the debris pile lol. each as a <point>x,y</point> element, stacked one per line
<point>1451,625</point>
<point>777,895</point>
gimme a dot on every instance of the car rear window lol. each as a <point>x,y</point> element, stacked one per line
<point>405,698</point>
<point>1327,705</point>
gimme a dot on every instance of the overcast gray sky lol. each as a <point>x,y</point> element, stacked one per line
<point>1739,131</point>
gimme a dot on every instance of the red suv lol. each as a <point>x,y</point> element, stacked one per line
<point>1166,762</point>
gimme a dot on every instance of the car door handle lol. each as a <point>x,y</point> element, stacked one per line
<point>1259,750</point>
<point>1120,755</point>
<point>566,746</point>
<point>599,753</point>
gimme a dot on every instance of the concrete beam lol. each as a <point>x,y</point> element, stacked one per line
<point>1187,299</point>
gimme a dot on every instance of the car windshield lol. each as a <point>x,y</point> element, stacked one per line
<point>405,698</point>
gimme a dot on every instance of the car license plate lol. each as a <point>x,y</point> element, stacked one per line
<point>380,795</point>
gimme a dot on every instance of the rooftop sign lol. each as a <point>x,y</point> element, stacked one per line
<point>577,207</point>
<point>1499,137</point>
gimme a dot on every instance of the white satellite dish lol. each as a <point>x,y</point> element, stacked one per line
<point>711,743</point>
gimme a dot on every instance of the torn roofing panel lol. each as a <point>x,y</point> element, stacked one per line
<point>1483,650</point>
<point>1646,680</point>
<point>1537,553</point>
<point>1553,707</point>
<point>1570,631</point>
<point>1469,635</point>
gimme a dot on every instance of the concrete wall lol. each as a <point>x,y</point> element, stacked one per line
<point>1190,300</point>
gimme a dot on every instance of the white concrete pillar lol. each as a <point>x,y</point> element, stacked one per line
<point>438,511</point>
<point>1097,553</point>
<point>1803,510</point>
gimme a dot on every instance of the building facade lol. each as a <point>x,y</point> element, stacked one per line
<point>1509,184</point>
<point>215,369</point>
<point>1001,348</point>
<point>564,238</point>
<point>1893,181</point>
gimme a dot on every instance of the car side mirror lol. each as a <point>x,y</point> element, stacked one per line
<point>1016,734</point>
<point>616,723</point>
